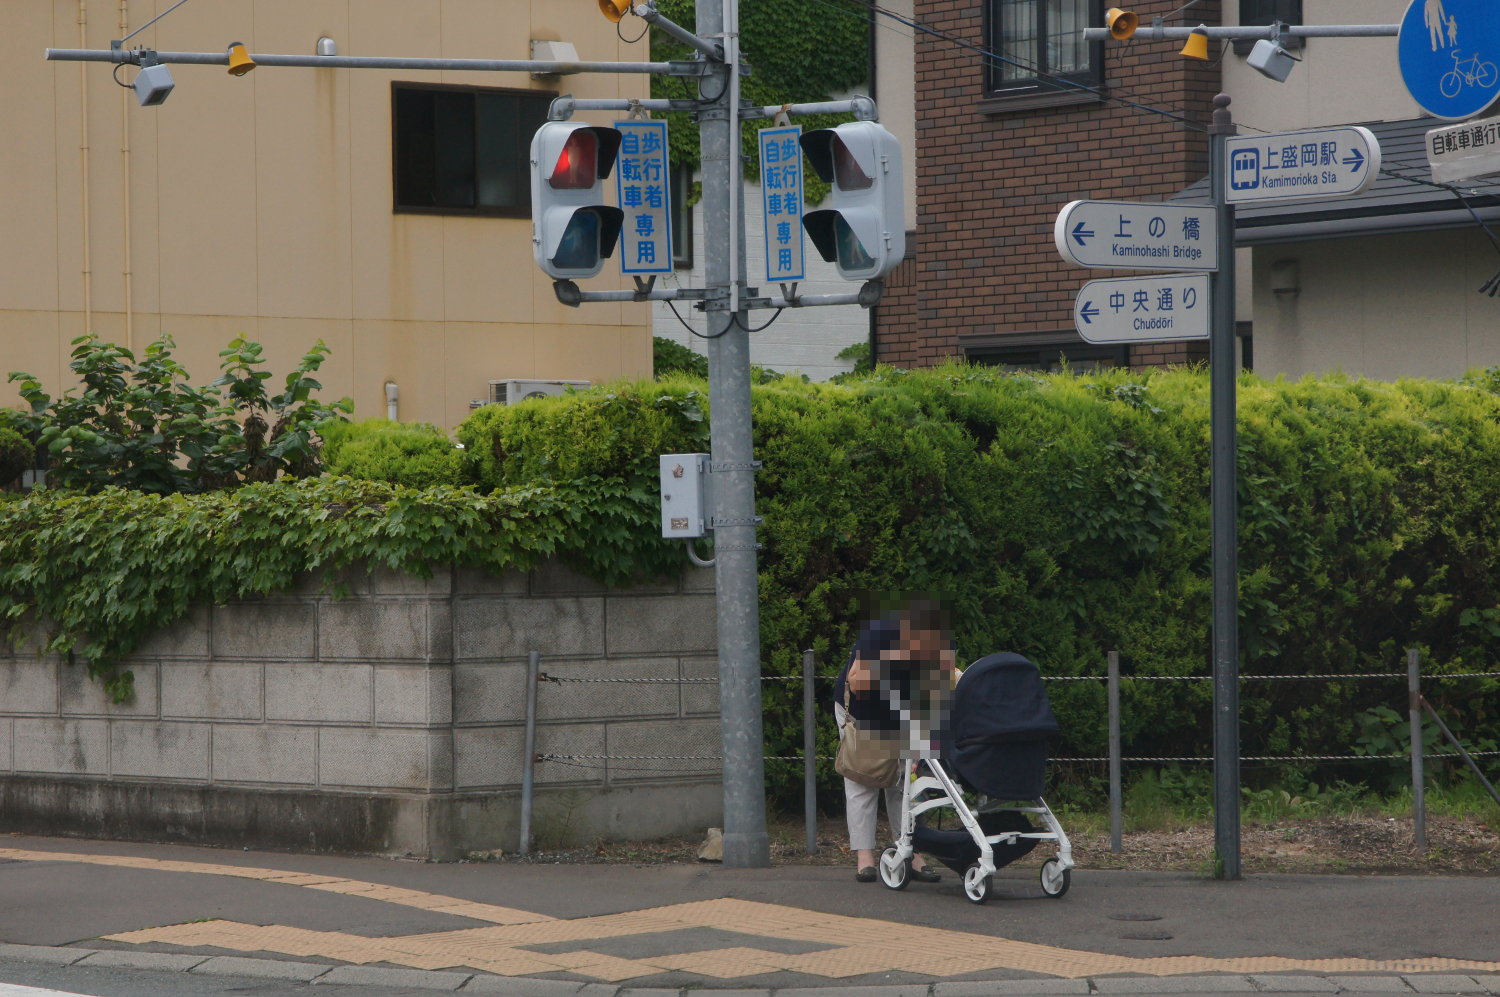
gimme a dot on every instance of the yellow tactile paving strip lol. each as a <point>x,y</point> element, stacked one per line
<point>501,947</point>
<point>333,884</point>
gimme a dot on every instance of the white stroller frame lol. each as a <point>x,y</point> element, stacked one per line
<point>895,861</point>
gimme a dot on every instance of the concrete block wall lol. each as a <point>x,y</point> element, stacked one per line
<point>387,717</point>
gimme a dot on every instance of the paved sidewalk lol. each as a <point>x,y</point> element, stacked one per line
<point>605,930</point>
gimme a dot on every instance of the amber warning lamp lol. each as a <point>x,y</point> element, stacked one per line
<point>1121,23</point>
<point>1197,44</point>
<point>240,62</point>
<point>615,9</point>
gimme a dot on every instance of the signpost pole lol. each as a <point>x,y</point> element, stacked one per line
<point>1223,367</point>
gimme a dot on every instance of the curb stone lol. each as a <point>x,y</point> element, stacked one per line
<point>269,969</point>
<point>1003,988</point>
<point>1289,984</point>
<point>417,979</point>
<point>1173,984</point>
<point>143,960</point>
<point>46,954</point>
<point>521,986</point>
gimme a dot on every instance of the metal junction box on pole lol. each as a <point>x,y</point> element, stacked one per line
<point>685,495</point>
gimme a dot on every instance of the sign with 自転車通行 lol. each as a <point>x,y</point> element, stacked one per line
<point>781,201</point>
<point>1448,52</point>
<point>641,175</point>
<point>1461,152</point>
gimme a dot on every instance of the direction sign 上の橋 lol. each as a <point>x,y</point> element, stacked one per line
<point>1136,236</point>
<point>781,200</point>
<point>1158,308</point>
<point>641,184</point>
<point>1449,52</point>
<point>1320,163</point>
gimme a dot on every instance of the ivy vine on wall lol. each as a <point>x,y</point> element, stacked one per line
<point>799,51</point>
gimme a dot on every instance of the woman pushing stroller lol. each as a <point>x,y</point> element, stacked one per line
<point>894,687</point>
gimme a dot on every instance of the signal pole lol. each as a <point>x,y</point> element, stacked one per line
<point>746,843</point>
<point>1223,375</point>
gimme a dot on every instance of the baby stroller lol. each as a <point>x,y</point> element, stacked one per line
<point>994,744</point>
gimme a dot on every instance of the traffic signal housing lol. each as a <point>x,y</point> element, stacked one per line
<point>862,230</point>
<point>572,230</point>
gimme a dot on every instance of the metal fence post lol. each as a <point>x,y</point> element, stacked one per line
<point>809,754</point>
<point>1116,815</point>
<point>528,764</point>
<point>1418,787</point>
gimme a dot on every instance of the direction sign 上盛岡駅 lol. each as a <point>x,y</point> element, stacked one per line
<point>1158,308</point>
<point>1449,52</point>
<point>1132,235</point>
<point>1323,162</point>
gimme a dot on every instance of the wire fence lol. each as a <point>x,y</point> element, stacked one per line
<point>680,764</point>
<point>1066,759</point>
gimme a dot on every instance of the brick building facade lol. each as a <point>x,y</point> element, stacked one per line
<point>996,161</point>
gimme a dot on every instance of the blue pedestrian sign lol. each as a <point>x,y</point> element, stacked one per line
<point>641,184</point>
<point>781,202</point>
<point>1159,308</point>
<point>1323,162</point>
<point>1449,50</point>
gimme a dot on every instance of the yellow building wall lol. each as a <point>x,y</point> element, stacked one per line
<point>262,205</point>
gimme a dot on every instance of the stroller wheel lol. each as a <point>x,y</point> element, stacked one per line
<point>894,870</point>
<point>1055,879</point>
<point>976,884</point>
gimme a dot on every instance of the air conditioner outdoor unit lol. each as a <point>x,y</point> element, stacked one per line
<point>509,392</point>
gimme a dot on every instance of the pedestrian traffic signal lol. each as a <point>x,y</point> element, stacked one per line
<point>862,230</point>
<point>572,230</point>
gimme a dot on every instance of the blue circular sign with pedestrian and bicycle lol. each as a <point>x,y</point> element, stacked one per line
<point>1450,55</point>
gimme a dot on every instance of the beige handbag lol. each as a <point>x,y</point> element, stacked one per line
<point>867,760</point>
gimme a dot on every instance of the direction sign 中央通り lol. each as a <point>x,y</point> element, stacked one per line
<point>1130,235</point>
<point>1449,52</point>
<point>1323,162</point>
<point>1151,309</point>
<point>781,202</point>
<point>641,176</point>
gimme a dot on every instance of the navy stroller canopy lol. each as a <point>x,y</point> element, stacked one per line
<point>999,726</point>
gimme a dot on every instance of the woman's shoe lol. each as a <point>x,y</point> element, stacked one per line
<point>866,875</point>
<point>926,875</point>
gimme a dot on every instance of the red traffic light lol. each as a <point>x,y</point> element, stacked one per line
<point>586,157</point>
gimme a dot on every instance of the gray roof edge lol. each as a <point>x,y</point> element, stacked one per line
<point>1362,225</point>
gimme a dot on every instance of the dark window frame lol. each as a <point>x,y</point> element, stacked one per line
<point>1254,12</point>
<point>1033,91</point>
<point>523,210</point>
<point>1043,351</point>
<point>682,216</point>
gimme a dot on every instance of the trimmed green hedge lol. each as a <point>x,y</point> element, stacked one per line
<point>416,454</point>
<point>1064,516</point>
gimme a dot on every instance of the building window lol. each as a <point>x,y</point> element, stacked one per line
<point>1040,48</point>
<point>1265,12</point>
<point>682,217</point>
<point>464,150</point>
<point>1075,355</point>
